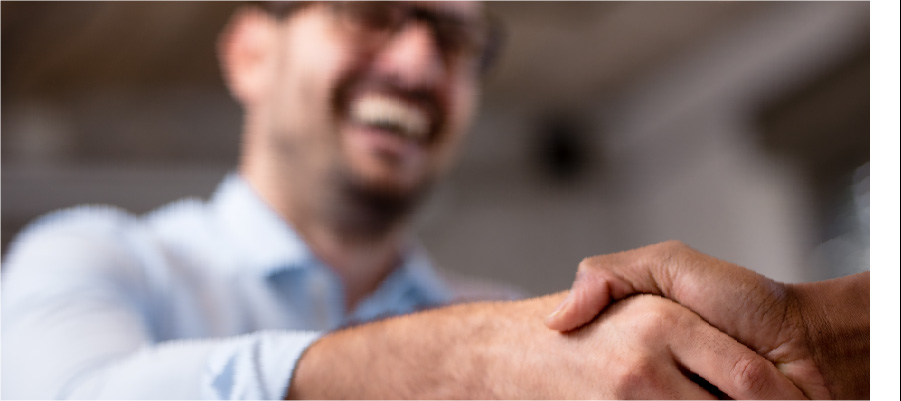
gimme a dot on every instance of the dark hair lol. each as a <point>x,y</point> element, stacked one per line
<point>497,34</point>
<point>278,9</point>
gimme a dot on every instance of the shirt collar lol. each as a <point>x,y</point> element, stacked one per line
<point>414,283</point>
<point>266,244</point>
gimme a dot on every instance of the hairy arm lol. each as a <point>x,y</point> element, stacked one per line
<point>645,347</point>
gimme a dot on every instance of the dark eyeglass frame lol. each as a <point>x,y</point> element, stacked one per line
<point>448,30</point>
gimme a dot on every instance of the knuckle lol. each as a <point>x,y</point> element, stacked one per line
<point>589,263</point>
<point>674,255</point>
<point>657,313</point>
<point>585,264</point>
<point>750,375</point>
<point>672,247</point>
<point>635,377</point>
<point>648,328</point>
<point>592,270</point>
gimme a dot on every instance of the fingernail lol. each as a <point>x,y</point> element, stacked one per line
<point>560,307</point>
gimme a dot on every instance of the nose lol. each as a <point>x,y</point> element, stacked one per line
<point>412,57</point>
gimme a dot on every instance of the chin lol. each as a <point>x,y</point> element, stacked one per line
<point>388,173</point>
<point>370,204</point>
<point>390,183</point>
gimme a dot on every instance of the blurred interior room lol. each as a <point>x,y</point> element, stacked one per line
<point>739,128</point>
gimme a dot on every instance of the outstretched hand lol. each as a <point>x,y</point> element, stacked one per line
<point>817,334</point>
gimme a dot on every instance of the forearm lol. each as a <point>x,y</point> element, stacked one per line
<point>641,349</point>
<point>837,315</point>
<point>457,352</point>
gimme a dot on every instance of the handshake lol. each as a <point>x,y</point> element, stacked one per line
<point>709,329</point>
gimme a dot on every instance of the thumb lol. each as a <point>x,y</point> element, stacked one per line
<point>604,279</point>
<point>589,295</point>
<point>673,270</point>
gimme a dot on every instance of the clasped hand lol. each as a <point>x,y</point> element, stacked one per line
<point>816,334</point>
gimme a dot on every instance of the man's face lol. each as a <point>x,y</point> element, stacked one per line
<point>381,109</point>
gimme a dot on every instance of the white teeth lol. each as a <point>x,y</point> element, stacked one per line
<point>387,113</point>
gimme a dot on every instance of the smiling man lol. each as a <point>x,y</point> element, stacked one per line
<point>351,111</point>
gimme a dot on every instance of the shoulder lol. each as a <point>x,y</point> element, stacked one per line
<point>98,236</point>
<point>71,251</point>
<point>70,234</point>
<point>77,224</point>
<point>181,220</point>
<point>188,233</point>
<point>102,244</point>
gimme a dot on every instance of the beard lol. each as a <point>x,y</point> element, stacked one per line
<point>366,209</point>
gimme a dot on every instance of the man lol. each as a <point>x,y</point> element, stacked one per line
<point>351,111</point>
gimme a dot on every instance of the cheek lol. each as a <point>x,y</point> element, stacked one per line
<point>468,99</point>
<point>465,102</point>
<point>316,61</point>
<point>306,115</point>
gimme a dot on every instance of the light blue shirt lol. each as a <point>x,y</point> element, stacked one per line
<point>197,300</point>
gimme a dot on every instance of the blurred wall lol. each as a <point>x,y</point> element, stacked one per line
<point>739,128</point>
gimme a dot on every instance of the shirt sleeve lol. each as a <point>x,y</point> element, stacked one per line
<point>74,325</point>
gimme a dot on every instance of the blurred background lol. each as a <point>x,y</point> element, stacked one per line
<point>740,128</point>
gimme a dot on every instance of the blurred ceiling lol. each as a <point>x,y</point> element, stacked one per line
<point>56,49</point>
<point>123,103</point>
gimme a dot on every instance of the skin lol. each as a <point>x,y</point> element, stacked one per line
<point>311,164</point>
<point>816,333</point>
<point>641,348</point>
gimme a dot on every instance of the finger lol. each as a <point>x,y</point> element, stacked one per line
<point>704,384</point>
<point>590,294</point>
<point>673,270</point>
<point>652,376</point>
<point>730,366</point>
<point>604,279</point>
<point>601,280</point>
<point>677,386</point>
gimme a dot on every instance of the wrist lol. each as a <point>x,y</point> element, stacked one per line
<point>836,315</point>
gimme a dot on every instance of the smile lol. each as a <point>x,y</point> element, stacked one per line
<point>385,113</point>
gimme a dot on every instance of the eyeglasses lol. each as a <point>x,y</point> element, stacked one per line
<point>457,37</point>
